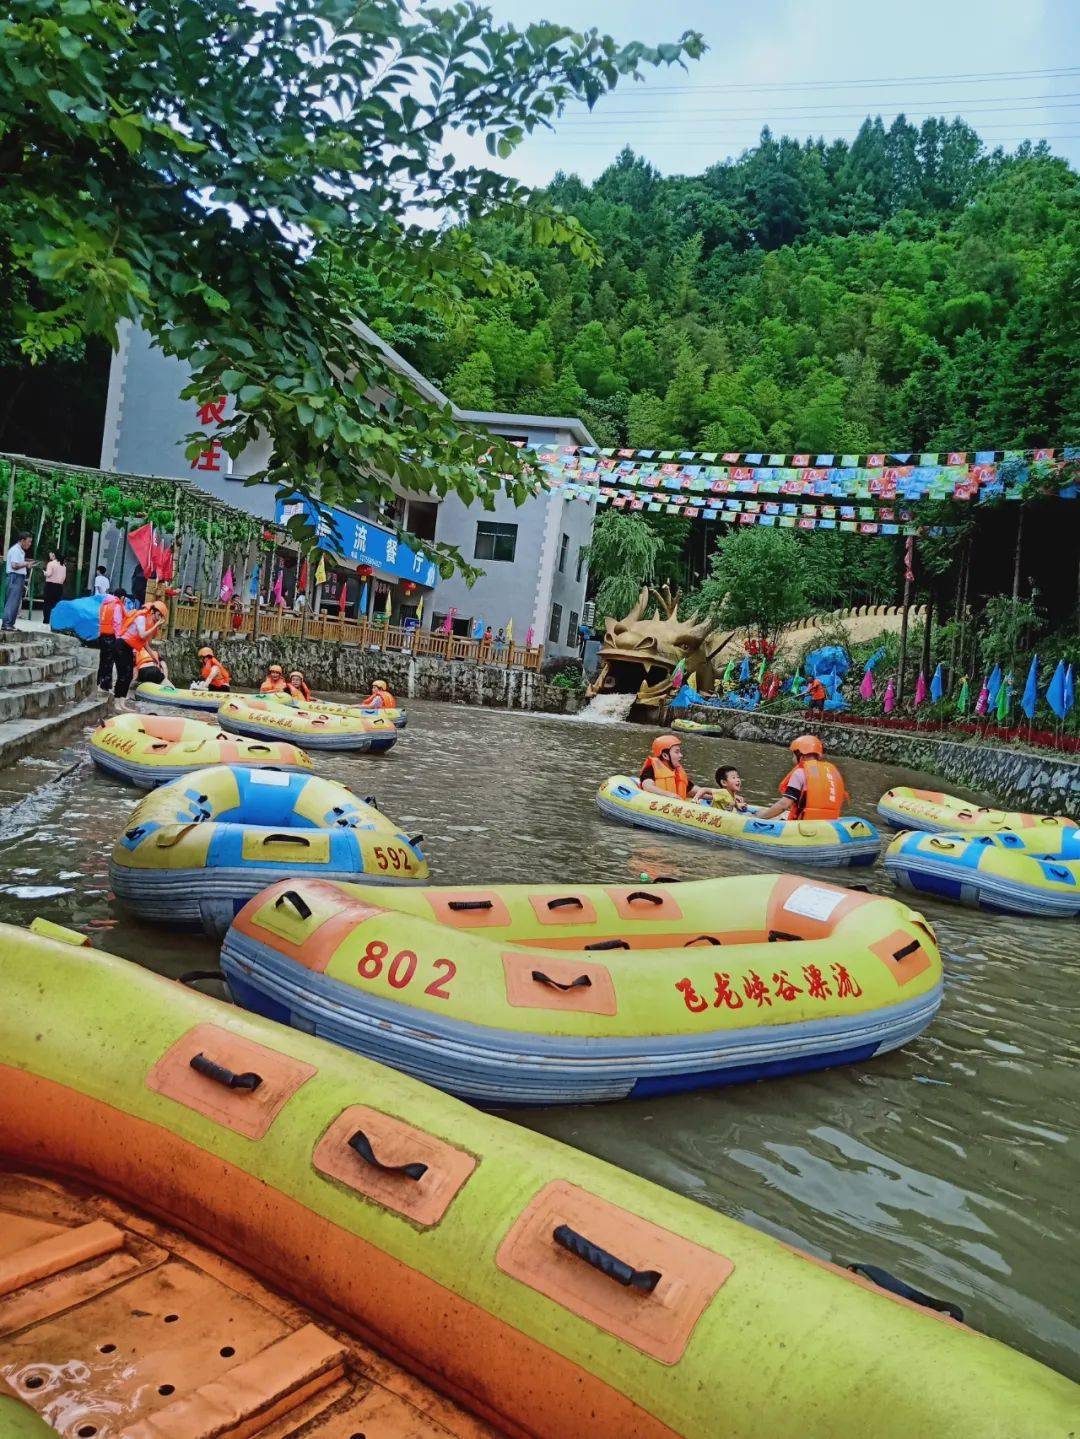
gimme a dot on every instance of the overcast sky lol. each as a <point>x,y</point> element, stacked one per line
<point>813,67</point>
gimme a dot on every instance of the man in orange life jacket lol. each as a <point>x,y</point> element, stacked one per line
<point>663,773</point>
<point>111,618</point>
<point>814,789</point>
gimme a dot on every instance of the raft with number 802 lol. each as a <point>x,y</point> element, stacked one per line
<point>552,1294</point>
<point>849,841</point>
<point>542,994</point>
<point>198,848</point>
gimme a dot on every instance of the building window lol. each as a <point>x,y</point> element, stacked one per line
<point>556,624</point>
<point>572,629</point>
<point>564,546</point>
<point>495,542</point>
<point>582,557</point>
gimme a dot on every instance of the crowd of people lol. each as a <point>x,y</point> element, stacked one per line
<point>813,788</point>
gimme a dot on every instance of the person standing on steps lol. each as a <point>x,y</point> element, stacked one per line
<point>111,618</point>
<point>55,575</point>
<point>19,565</point>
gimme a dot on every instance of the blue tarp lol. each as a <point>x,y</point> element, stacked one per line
<point>78,617</point>
<point>829,660</point>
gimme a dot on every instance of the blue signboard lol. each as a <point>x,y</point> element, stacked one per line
<point>354,539</point>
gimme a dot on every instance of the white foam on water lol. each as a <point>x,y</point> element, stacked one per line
<point>605,709</point>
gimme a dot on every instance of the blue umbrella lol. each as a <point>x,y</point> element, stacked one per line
<point>993,684</point>
<point>1055,695</point>
<point>937,685</point>
<point>1070,695</point>
<point>1031,697</point>
<point>744,669</point>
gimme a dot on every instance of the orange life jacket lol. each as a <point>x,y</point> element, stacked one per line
<point>824,794</point>
<point>110,615</point>
<point>816,690</point>
<point>144,657</point>
<point>379,700</point>
<point>670,779</point>
<point>128,633</point>
<point>221,679</point>
<point>300,691</point>
<point>273,687</point>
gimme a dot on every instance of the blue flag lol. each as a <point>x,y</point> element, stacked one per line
<point>1055,695</point>
<point>879,654</point>
<point>744,669</point>
<point>478,630</point>
<point>1070,695</point>
<point>253,587</point>
<point>363,600</point>
<point>937,685</point>
<point>1031,696</point>
<point>993,684</point>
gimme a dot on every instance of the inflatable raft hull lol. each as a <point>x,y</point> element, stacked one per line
<point>197,849</point>
<point>554,1295</point>
<point>309,727</point>
<point>179,697</point>
<point>839,843</point>
<point>703,996</point>
<point>148,750</point>
<point>932,812</point>
<point>1026,872</point>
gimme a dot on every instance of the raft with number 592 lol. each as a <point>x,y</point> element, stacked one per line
<point>544,994</point>
<point>849,841</point>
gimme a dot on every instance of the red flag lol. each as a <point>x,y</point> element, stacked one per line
<point>142,545</point>
<point>163,562</point>
<point>302,578</point>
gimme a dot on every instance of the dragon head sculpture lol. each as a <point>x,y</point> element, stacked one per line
<point>639,655</point>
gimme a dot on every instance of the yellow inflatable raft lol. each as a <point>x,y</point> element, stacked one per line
<point>537,994</point>
<point>397,716</point>
<point>1029,871</point>
<point>183,697</point>
<point>309,725</point>
<point>929,810</point>
<point>148,750</point>
<point>196,849</point>
<point>834,842</point>
<point>554,1295</point>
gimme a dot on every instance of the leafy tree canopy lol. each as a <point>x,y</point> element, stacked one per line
<point>244,179</point>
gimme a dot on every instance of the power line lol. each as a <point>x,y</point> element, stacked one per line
<point>1065,101</point>
<point>970,77</point>
<point>686,142</point>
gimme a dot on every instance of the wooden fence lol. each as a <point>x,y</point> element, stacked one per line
<point>217,619</point>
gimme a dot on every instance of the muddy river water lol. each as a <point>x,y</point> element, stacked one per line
<point>953,1162</point>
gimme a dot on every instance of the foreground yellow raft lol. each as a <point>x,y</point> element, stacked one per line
<point>554,1295</point>
<point>148,750</point>
<point>537,994</point>
<point>937,813</point>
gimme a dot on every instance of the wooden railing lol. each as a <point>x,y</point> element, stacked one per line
<point>220,621</point>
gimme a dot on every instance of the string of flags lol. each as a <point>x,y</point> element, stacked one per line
<point>996,695</point>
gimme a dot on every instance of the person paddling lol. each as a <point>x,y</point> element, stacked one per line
<point>663,772</point>
<point>813,789</point>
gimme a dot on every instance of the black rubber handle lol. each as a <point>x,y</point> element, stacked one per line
<point>470,904</point>
<point>286,839</point>
<point>884,1280</point>
<point>136,833</point>
<point>775,934</point>
<point>416,839</point>
<point>298,902</point>
<point>582,982</point>
<point>608,944</point>
<point>564,901</point>
<point>905,950</point>
<point>644,894</point>
<point>625,1274</point>
<point>360,1144</point>
<point>254,748</point>
<point>221,1075</point>
<point>701,939</point>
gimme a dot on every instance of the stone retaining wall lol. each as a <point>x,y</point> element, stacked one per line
<point>350,669</point>
<point>1018,779</point>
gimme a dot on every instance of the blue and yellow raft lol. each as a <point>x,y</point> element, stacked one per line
<point>1032,871</point>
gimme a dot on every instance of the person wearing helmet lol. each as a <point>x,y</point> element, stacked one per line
<point>274,683</point>
<point>663,773</point>
<point>813,789</point>
<point>380,697</point>
<point>213,675</point>
<point>139,628</point>
<point>298,686</point>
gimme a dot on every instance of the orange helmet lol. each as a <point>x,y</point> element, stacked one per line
<point>275,670</point>
<point>206,653</point>
<point>378,684</point>
<point>159,605</point>
<point>807,744</point>
<point>663,742</point>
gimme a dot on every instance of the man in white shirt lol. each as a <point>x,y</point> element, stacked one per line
<point>19,566</point>
<point>101,581</point>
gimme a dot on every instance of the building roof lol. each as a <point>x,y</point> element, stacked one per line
<point>575,427</point>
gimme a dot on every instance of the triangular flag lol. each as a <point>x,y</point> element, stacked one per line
<point>1070,693</point>
<point>920,690</point>
<point>993,684</point>
<point>227,585</point>
<point>419,609</point>
<point>1004,699</point>
<point>302,577</point>
<point>889,703</point>
<point>963,697</point>
<point>1031,694</point>
<point>937,685</point>
<point>1055,695</point>
<point>320,571</point>
<point>387,606</point>
<point>982,704</point>
<point>866,689</point>
<point>509,632</point>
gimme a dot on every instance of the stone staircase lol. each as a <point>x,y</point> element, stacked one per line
<point>47,684</point>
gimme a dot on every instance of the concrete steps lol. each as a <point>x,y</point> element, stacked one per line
<point>47,684</point>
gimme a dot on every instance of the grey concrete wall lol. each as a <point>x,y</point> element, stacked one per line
<point>1017,779</point>
<point>505,590</point>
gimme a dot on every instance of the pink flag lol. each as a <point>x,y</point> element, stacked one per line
<point>890,698</point>
<point>529,636</point>
<point>866,689</point>
<point>920,690</point>
<point>448,622</point>
<point>982,704</point>
<point>279,597</point>
<point>227,586</point>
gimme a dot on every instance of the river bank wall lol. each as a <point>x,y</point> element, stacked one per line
<point>1018,779</point>
<point>350,669</point>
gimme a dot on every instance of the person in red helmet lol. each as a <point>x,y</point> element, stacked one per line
<point>813,789</point>
<point>663,772</point>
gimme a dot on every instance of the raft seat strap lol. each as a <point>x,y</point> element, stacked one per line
<point>702,939</point>
<point>297,901</point>
<point>416,839</point>
<point>360,1144</point>
<point>644,894</point>
<point>903,952</point>
<point>644,1280</point>
<point>461,904</point>
<point>608,944</point>
<point>582,982</point>
<point>778,934</point>
<point>889,1282</point>
<point>220,1074</point>
<point>287,839</point>
<point>564,900</point>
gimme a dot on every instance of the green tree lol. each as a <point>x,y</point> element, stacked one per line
<point>213,169</point>
<point>623,557</point>
<point>472,384</point>
<point>757,581</point>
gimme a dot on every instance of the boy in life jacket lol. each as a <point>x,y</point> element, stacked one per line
<point>274,683</point>
<point>814,789</point>
<point>138,630</point>
<point>212,675</point>
<point>663,773</point>
<point>728,792</point>
<point>111,619</point>
<point>380,697</point>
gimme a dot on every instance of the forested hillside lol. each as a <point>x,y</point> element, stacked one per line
<point>909,290</point>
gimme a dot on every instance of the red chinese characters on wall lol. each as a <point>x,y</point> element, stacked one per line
<point>751,990</point>
<point>212,412</point>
